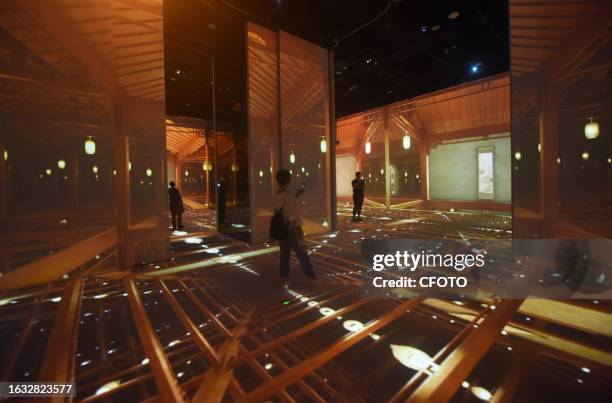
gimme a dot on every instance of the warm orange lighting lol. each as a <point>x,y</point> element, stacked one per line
<point>256,38</point>
<point>368,147</point>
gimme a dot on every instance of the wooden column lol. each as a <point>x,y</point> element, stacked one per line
<point>423,152</point>
<point>444,383</point>
<point>122,190</point>
<point>3,181</point>
<point>548,107</point>
<point>387,157</point>
<point>331,141</point>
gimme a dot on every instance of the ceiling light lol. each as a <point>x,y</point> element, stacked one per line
<point>352,325</point>
<point>323,145</point>
<point>178,71</point>
<point>292,158</point>
<point>517,155</point>
<point>107,387</point>
<point>94,169</point>
<point>5,155</point>
<point>453,15</point>
<point>585,155</point>
<point>48,172</point>
<point>90,146</point>
<point>586,370</point>
<point>591,130</point>
<point>406,141</point>
<point>368,147</point>
<point>149,172</point>
<point>475,68</point>
<point>61,164</point>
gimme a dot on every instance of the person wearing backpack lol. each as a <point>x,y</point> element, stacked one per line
<point>290,235</point>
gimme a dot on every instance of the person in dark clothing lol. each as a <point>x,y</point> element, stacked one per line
<point>358,193</point>
<point>176,206</point>
<point>288,201</point>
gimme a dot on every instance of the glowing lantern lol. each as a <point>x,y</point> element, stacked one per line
<point>260,173</point>
<point>368,147</point>
<point>94,169</point>
<point>186,173</point>
<point>292,158</point>
<point>323,146</point>
<point>90,146</point>
<point>585,155</point>
<point>5,155</point>
<point>48,171</point>
<point>61,164</point>
<point>406,143</point>
<point>149,172</point>
<point>591,130</point>
<point>411,357</point>
<point>517,155</point>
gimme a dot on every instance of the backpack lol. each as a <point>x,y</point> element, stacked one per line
<point>278,225</point>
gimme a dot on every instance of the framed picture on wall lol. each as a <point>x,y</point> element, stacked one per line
<point>486,173</point>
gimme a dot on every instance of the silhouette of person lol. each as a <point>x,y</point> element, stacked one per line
<point>176,206</point>
<point>358,194</point>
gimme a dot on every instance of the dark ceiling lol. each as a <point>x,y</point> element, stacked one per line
<point>405,48</point>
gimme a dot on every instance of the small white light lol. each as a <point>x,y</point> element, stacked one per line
<point>585,370</point>
<point>585,155</point>
<point>539,147</point>
<point>325,311</point>
<point>193,240</point>
<point>173,343</point>
<point>352,325</point>
<point>261,174</point>
<point>591,130</point>
<point>268,366</point>
<point>48,172</point>
<point>61,164</point>
<point>368,147</point>
<point>211,250</point>
<point>374,336</point>
<point>382,171</point>
<point>5,155</point>
<point>558,161</point>
<point>94,169</point>
<point>144,362</point>
<point>90,146</point>
<point>107,387</point>
<point>481,393</point>
<point>186,173</point>
<point>292,158</point>
<point>465,384</point>
<point>323,145</point>
<point>149,172</point>
<point>517,155</point>
<point>406,143</point>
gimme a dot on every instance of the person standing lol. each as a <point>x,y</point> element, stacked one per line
<point>176,206</point>
<point>358,194</point>
<point>288,201</point>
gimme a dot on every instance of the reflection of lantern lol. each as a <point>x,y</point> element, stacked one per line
<point>323,145</point>
<point>417,176</point>
<point>539,147</point>
<point>292,158</point>
<point>90,146</point>
<point>48,171</point>
<point>406,142</point>
<point>149,172</point>
<point>129,166</point>
<point>517,155</point>
<point>368,147</point>
<point>207,166</point>
<point>114,172</point>
<point>61,164</point>
<point>94,169</point>
<point>585,155</point>
<point>5,155</point>
<point>591,130</point>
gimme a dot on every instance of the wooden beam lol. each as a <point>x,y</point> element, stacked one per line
<point>473,132</point>
<point>163,375</point>
<point>310,364</point>
<point>58,363</point>
<point>444,383</point>
<point>217,379</point>
<point>548,106</point>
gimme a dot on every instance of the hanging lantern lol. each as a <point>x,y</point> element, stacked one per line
<point>90,146</point>
<point>382,171</point>
<point>186,173</point>
<point>130,166</point>
<point>539,147</point>
<point>585,155</point>
<point>260,173</point>
<point>591,130</point>
<point>292,158</point>
<point>517,155</point>
<point>5,155</point>
<point>48,172</point>
<point>61,164</point>
<point>368,147</point>
<point>149,172</point>
<point>323,145</point>
<point>406,143</point>
<point>94,169</point>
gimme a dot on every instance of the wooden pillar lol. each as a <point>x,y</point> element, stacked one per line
<point>207,171</point>
<point>3,181</point>
<point>331,141</point>
<point>423,152</point>
<point>122,191</point>
<point>444,383</point>
<point>548,107</point>
<point>387,157</point>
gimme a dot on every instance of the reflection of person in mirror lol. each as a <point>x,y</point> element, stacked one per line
<point>295,238</point>
<point>176,206</point>
<point>358,194</point>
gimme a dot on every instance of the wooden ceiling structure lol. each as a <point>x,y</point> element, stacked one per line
<point>474,109</point>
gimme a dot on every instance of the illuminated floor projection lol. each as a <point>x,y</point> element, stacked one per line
<point>214,321</point>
